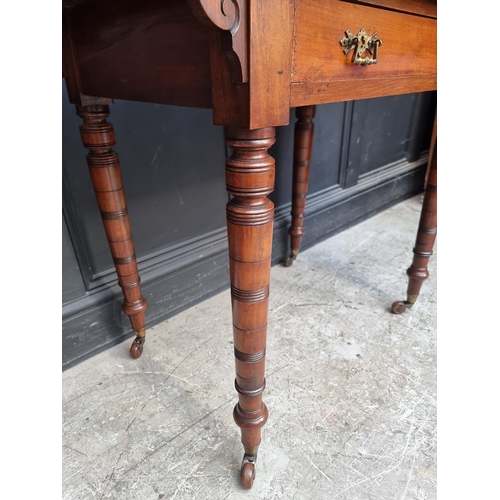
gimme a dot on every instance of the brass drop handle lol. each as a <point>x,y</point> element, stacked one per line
<point>360,43</point>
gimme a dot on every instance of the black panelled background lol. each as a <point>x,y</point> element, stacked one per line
<point>367,155</point>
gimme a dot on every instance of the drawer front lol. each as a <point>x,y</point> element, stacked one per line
<point>408,42</point>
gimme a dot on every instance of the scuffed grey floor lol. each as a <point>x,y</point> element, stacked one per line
<point>351,388</point>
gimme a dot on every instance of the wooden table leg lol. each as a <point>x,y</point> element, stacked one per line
<point>250,216</point>
<point>302,150</point>
<point>99,138</point>
<point>427,231</point>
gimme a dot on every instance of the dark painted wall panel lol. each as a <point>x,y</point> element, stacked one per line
<point>327,146</point>
<point>72,283</point>
<point>380,131</point>
<point>172,163</point>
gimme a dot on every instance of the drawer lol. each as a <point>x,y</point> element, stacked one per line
<point>406,58</point>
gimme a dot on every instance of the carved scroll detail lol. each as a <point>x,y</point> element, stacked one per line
<point>230,16</point>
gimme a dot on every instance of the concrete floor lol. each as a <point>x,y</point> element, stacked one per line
<point>351,388</point>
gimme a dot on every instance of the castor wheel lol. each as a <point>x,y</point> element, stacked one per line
<point>400,306</point>
<point>289,260</point>
<point>137,347</point>
<point>247,474</point>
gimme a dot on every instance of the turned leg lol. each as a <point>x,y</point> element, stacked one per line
<point>99,138</point>
<point>302,150</point>
<point>250,216</point>
<point>427,230</point>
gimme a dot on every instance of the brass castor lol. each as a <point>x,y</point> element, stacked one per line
<point>247,474</point>
<point>137,347</point>
<point>289,260</point>
<point>400,306</point>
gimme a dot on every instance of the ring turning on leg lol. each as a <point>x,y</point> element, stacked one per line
<point>250,216</point>
<point>99,138</point>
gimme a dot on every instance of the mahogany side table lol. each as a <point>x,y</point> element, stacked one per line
<point>249,61</point>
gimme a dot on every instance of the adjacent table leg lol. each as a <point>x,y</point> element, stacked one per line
<point>99,138</point>
<point>302,150</point>
<point>250,216</point>
<point>427,230</point>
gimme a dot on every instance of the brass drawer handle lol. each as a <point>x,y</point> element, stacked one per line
<point>361,42</point>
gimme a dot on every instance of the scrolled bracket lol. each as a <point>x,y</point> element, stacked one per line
<point>359,44</point>
<point>230,16</point>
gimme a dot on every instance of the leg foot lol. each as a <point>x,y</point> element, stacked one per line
<point>137,347</point>
<point>247,474</point>
<point>289,260</point>
<point>400,306</point>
